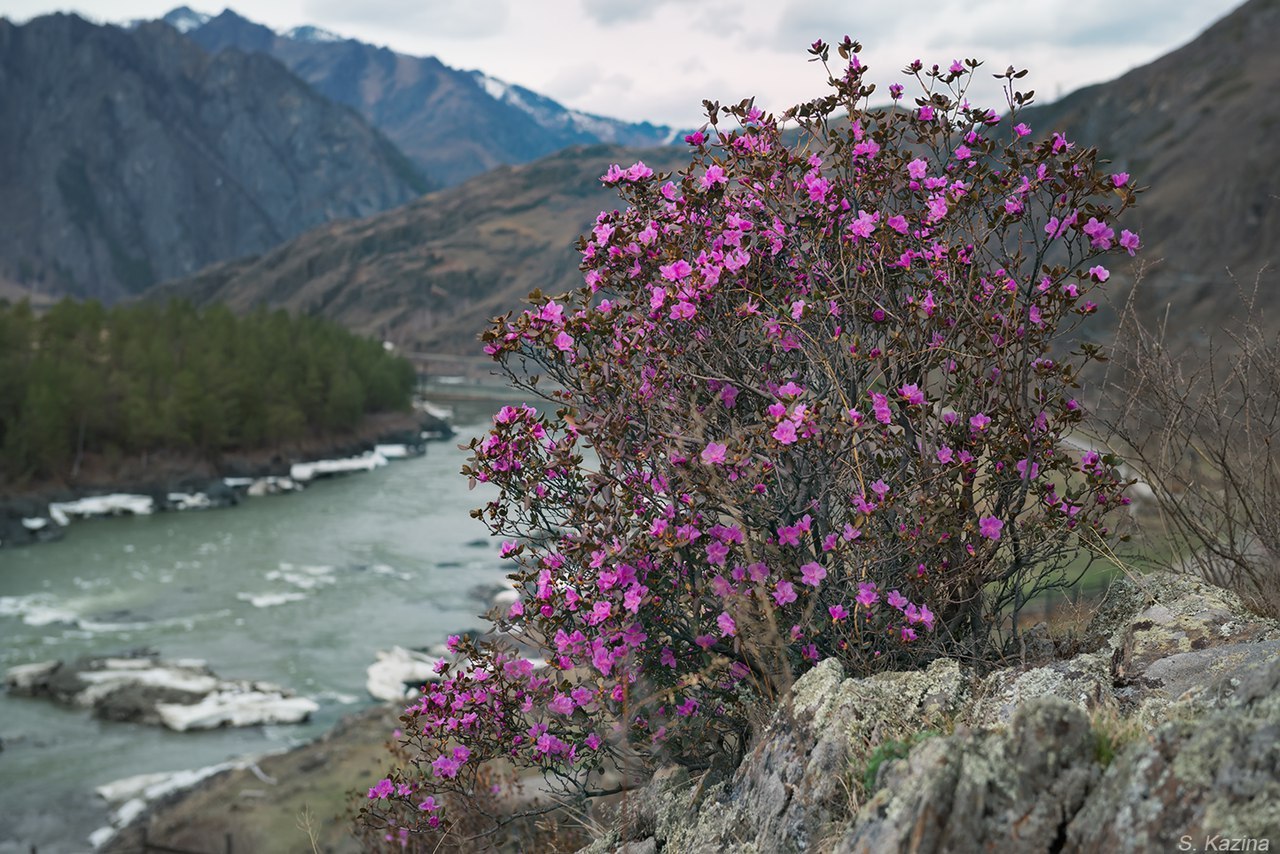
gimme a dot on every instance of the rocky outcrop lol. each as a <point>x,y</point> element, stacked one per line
<point>1167,734</point>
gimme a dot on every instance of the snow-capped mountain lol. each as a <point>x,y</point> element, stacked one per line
<point>452,123</point>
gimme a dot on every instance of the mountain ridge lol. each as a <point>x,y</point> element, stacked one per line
<point>453,123</point>
<point>132,156</point>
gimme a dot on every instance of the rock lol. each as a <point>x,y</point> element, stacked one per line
<point>1084,680</point>
<point>1214,777</point>
<point>961,793</point>
<point>1180,738</point>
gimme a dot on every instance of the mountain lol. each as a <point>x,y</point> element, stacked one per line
<point>430,274</point>
<point>132,156</point>
<point>453,124</point>
<point>1198,127</point>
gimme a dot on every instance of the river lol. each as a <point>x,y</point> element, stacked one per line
<point>369,561</point>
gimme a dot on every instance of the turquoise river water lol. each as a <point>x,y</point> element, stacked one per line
<point>371,560</point>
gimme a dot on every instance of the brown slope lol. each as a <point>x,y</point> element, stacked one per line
<point>430,274</point>
<point>1199,128</point>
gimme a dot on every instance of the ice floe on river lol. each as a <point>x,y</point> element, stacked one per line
<point>182,694</point>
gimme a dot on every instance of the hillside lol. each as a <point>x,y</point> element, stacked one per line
<point>129,157</point>
<point>428,275</point>
<point>1197,126</point>
<point>453,124</point>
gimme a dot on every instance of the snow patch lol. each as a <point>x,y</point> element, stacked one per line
<point>308,33</point>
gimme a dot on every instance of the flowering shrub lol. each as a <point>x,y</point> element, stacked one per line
<point>810,405</point>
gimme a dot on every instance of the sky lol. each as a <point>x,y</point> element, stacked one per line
<point>657,60</point>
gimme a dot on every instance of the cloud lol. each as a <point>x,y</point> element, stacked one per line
<point>610,13</point>
<point>473,19</point>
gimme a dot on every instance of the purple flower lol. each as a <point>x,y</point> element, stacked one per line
<point>726,624</point>
<point>837,613</point>
<point>812,574</point>
<point>979,422</point>
<point>784,593</point>
<point>896,600</point>
<point>785,432</point>
<point>867,595</point>
<point>1129,241</point>
<point>990,527</point>
<point>912,394</point>
<point>383,789</point>
<point>714,453</point>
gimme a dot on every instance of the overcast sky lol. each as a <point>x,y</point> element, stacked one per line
<point>657,59</point>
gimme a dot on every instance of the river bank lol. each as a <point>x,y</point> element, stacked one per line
<point>176,481</point>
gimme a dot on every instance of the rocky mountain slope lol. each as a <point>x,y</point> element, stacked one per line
<point>129,157</point>
<point>428,275</point>
<point>453,124</point>
<point>1195,126</point>
<point>1198,127</point>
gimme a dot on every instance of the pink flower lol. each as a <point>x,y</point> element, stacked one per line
<point>714,453</point>
<point>676,270</point>
<point>990,527</point>
<point>638,171</point>
<point>1100,273</point>
<point>785,432</point>
<point>683,310</point>
<point>837,613</point>
<point>1129,241</point>
<point>444,766</point>
<point>561,704</point>
<point>552,312</point>
<point>1021,129</point>
<point>784,593</point>
<point>1120,179</point>
<point>715,174</point>
<point>727,627</point>
<point>945,455</point>
<point>696,138</point>
<point>864,225</point>
<point>812,574</point>
<point>867,595</point>
<point>898,223</point>
<point>880,405</point>
<point>979,422</point>
<point>917,169</point>
<point>383,789</point>
<point>717,552</point>
<point>564,342</point>
<point>896,600</point>
<point>912,394</point>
